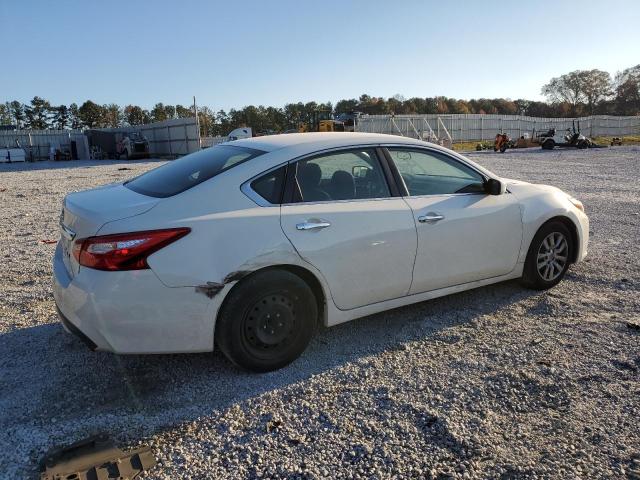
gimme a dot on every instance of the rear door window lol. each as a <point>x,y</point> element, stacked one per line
<point>186,172</point>
<point>342,175</point>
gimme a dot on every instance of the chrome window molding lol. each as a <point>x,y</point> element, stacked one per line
<point>261,202</point>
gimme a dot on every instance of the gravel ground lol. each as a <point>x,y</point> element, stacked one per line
<point>498,382</point>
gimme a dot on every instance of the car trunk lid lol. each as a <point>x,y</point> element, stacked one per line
<point>84,213</point>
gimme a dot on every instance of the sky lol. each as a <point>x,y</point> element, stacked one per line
<point>236,53</point>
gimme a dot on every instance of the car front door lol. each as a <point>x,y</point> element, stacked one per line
<point>464,234</point>
<point>345,218</point>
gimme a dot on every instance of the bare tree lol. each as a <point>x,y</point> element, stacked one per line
<point>627,90</point>
<point>579,87</point>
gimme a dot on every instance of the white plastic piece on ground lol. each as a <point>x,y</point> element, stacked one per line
<point>12,155</point>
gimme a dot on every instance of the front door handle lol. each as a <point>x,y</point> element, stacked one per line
<point>430,217</point>
<point>312,225</point>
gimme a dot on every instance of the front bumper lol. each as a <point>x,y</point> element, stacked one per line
<point>132,311</point>
<point>583,234</point>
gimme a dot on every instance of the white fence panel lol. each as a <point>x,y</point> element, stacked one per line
<point>485,127</point>
<point>170,138</point>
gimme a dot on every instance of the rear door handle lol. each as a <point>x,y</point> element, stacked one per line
<point>312,225</point>
<point>430,217</point>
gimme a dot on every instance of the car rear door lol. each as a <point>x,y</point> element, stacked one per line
<point>464,234</point>
<point>345,217</point>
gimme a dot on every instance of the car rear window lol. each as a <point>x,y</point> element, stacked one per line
<point>186,172</point>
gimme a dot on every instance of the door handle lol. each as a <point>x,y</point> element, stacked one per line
<point>430,217</point>
<point>312,225</point>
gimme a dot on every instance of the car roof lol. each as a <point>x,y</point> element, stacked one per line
<point>297,144</point>
<point>322,140</point>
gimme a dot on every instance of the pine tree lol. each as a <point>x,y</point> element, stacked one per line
<point>17,112</point>
<point>38,113</point>
<point>74,117</point>
<point>61,117</point>
<point>5,114</point>
<point>92,115</point>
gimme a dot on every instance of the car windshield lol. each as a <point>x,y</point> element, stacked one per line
<point>186,172</point>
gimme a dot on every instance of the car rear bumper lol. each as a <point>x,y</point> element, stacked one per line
<point>132,311</point>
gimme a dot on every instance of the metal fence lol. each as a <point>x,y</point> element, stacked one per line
<point>458,128</point>
<point>41,144</point>
<point>207,142</point>
<point>170,138</point>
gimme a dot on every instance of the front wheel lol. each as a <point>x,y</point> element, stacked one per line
<point>548,257</point>
<point>267,321</point>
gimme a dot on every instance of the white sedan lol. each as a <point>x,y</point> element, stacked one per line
<point>251,244</point>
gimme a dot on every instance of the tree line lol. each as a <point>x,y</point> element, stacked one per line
<point>581,92</point>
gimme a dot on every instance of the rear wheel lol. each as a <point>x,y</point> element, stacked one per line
<point>267,321</point>
<point>549,257</point>
<point>548,144</point>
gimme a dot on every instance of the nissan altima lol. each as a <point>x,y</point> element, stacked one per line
<point>251,244</point>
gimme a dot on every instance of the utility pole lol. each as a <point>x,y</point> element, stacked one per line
<point>195,111</point>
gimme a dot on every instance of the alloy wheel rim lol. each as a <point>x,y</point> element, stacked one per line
<point>552,256</point>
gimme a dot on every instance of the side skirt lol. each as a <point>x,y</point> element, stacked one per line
<point>336,316</point>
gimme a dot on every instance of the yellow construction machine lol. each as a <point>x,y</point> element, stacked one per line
<point>321,121</point>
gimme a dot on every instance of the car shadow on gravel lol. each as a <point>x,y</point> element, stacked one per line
<point>65,380</point>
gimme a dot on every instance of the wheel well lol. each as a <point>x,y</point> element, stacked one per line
<point>573,231</point>
<point>309,278</point>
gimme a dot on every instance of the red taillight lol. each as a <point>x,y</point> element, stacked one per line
<point>124,251</point>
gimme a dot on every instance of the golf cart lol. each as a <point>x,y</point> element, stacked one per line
<point>572,138</point>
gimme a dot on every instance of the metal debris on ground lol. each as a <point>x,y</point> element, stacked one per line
<point>95,458</point>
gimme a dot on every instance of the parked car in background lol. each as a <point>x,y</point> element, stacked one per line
<point>250,245</point>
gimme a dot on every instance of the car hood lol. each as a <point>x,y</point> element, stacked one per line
<point>525,190</point>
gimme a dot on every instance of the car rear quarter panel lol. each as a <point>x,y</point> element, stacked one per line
<point>230,235</point>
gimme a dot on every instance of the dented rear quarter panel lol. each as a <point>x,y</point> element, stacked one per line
<point>230,236</point>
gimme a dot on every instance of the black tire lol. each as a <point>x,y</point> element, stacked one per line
<point>548,144</point>
<point>503,148</point>
<point>531,275</point>
<point>247,331</point>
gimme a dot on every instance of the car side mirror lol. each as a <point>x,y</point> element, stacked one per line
<point>494,187</point>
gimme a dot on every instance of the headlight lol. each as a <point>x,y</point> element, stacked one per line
<point>577,203</point>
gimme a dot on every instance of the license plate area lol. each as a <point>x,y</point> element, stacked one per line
<point>66,242</point>
<point>66,255</point>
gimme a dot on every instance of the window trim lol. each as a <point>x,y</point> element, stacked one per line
<point>416,148</point>
<point>394,192</point>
